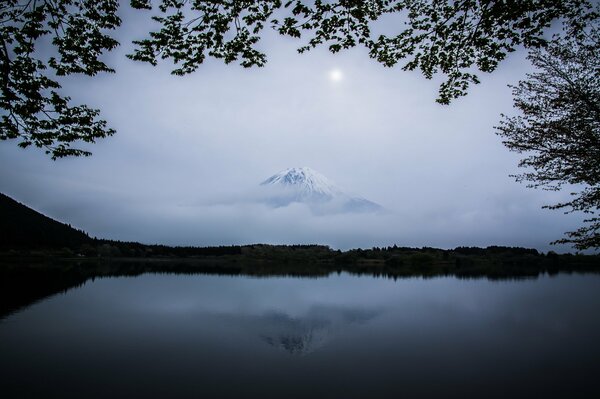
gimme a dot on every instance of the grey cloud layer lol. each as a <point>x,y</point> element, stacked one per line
<point>182,142</point>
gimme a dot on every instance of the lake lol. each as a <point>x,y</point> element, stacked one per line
<point>342,336</point>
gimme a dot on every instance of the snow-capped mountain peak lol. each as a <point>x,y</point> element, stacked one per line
<point>306,185</point>
<point>307,181</point>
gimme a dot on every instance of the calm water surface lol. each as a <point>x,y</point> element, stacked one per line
<point>337,337</point>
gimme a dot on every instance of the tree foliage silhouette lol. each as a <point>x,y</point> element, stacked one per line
<point>558,127</point>
<point>32,108</point>
<point>454,38</point>
<point>451,37</point>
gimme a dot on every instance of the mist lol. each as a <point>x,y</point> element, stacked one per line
<point>188,149</point>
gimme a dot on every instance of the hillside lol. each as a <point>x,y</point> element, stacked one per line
<point>22,227</point>
<point>27,234</point>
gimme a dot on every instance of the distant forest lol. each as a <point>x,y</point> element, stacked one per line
<point>30,241</point>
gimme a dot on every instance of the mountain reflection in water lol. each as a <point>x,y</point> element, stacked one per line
<point>190,336</point>
<point>306,334</point>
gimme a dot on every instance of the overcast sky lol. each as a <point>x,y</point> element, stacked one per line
<point>183,142</point>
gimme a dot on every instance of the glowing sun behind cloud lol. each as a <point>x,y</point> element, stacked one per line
<point>335,75</point>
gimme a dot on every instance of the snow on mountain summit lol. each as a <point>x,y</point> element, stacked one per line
<point>306,185</point>
<point>308,182</point>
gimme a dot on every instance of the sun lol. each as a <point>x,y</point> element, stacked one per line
<point>336,75</point>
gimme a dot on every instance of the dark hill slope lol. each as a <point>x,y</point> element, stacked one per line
<point>22,227</point>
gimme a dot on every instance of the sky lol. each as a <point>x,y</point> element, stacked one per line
<point>184,143</point>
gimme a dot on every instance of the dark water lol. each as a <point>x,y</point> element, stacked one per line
<point>337,337</point>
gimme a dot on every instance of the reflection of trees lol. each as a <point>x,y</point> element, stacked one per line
<point>304,335</point>
<point>21,290</point>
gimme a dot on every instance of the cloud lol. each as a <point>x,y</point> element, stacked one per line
<point>282,196</point>
<point>254,222</point>
<point>190,151</point>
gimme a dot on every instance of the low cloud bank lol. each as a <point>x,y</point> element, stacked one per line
<point>236,222</point>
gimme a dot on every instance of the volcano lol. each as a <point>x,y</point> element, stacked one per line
<point>307,186</point>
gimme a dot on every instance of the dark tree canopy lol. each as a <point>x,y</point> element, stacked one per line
<point>454,38</point>
<point>558,128</point>
<point>451,37</point>
<point>32,109</point>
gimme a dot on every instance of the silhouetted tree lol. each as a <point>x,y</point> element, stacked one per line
<point>448,36</point>
<point>32,109</point>
<point>451,37</point>
<point>558,128</point>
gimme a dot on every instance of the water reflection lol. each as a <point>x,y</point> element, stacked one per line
<point>19,291</point>
<point>341,336</point>
<point>306,334</point>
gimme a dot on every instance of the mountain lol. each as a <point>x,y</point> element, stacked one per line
<point>22,227</point>
<point>306,185</point>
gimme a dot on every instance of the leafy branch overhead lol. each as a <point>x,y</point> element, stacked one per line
<point>44,40</point>
<point>32,109</point>
<point>455,38</point>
